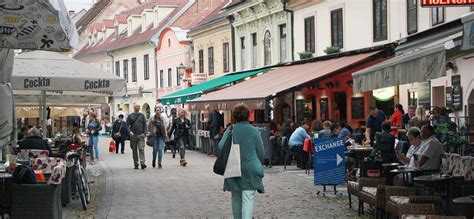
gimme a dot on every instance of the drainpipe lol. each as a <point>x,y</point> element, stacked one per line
<point>156,70</point>
<point>232,31</point>
<point>285,8</point>
<point>108,53</point>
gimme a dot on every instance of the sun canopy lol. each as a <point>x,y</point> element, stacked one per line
<point>51,71</point>
<point>36,24</point>
<point>59,98</point>
<point>255,91</point>
<point>193,92</point>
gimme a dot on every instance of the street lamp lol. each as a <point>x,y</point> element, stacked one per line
<point>181,69</point>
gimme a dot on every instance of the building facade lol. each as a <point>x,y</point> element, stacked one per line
<point>211,47</point>
<point>262,33</point>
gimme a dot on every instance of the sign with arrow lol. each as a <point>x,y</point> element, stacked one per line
<point>329,163</point>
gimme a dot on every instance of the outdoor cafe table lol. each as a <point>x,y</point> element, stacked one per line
<point>443,180</point>
<point>358,152</point>
<point>405,172</point>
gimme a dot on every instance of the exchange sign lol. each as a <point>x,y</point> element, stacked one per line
<point>329,164</point>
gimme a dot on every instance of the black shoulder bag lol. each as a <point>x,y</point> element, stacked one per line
<point>221,162</point>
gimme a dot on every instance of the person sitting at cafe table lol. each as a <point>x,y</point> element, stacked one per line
<point>341,130</point>
<point>327,129</point>
<point>22,134</point>
<point>49,131</point>
<point>409,160</point>
<point>316,127</point>
<point>373,125</point>
<point>408,116</point>
<point>431,150</point>
<point>384,144</point>
<point>414,136</point>
<point>34,141</point>
<point>296,143</point>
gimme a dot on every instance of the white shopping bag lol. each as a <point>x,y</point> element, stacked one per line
<point>232,168</point>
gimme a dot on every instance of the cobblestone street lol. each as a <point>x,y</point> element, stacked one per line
<point>196,192</point>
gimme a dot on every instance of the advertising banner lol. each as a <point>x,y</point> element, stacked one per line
<point>329,163</point>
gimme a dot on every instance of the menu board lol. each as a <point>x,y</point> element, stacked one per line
<point>265,133</point>
<point>324,106</point>
<point>424,94</point>
<point>456,93</point>
<point>449,97</point>
<point>300,110</point>
<point>358,108</point>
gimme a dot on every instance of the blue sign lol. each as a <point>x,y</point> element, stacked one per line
<point>329,163</point>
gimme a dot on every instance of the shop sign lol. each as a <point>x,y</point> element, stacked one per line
<point>449,97</point>
<point>444,3</point>
<point>424,94</point>
<point>324,108</point>
<point>198,78</point>
<point>384,94</point>
<point>329,163</point>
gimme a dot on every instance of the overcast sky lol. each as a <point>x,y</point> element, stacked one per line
<point>77,5</point>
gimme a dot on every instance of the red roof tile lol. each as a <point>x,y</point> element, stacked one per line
<point>108,23</point>
<point>99,27</point>
<point>137,37</point>
<point>196,14</point>
<point>91,14</point>
<point>121,18</point>
<point>217,14</point>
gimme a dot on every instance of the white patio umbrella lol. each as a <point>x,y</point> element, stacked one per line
<point>41,71</point>
<point>32,25</point>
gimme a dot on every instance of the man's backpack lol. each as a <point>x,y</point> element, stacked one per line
<point>24,174</point>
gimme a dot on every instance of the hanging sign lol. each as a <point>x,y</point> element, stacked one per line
<point>444,3</point>
<point>384,94</point>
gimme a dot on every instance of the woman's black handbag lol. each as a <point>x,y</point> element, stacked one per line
<point>150,141</point>
<point>221,162</point>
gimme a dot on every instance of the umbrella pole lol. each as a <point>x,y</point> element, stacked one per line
<point>43,105</point>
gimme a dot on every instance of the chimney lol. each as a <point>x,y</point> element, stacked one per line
<point>120,23</point>
<point>72,13</point>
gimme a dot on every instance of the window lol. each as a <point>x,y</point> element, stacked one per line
<point>242,53</point>
<point>117,68</point>
<point>267,50</point>
<point>309,41</point>
<point>170,77</point>
<point>437,15</point>
<point>210,60</point>
<point>412,16</point>
<point>380,20</point>
<point>472,8</point>
<point>125,69</point>
<point>134,69</point>
<point>225,48</point>
<point>169,42</point>
<point>337,28</point>
<point>178,77</point>
<point>283,43</point>
<point>201,61</point>
<point>146,66</point>
<point>162,80</point>
<point>254,50</point>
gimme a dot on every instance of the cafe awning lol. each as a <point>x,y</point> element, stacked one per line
<point>255,91</point>
<point>193,92</point>
<point>419,66</point>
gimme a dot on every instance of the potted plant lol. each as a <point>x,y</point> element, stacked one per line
<point>332,49</point>
<point>305,55</point>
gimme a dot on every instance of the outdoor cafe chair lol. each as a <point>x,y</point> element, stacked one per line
<point>396,196</point>
<point>288,153</point>
<point>36,201</point>
<point>417,209</point>
<point>308,148</point>
<point>372,192</point>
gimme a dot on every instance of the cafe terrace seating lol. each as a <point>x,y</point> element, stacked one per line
<point>372,192</point>
<point>396,196</point>
<point>41,200</point>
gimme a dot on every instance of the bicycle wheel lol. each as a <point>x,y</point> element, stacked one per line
<point>80,187</point>
<point>86,186</point>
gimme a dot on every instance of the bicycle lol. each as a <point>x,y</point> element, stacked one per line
<point>80,178</point>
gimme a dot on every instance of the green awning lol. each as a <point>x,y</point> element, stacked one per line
<point>193,92</point>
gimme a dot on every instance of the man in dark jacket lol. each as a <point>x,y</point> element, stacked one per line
<point>407,117</point>
<point>35,141</point>
<point>120,133</point>
<point>215,124</point>
<point>138,128</point>
<point>385,144</point>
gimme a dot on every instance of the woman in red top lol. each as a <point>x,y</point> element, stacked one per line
<point>396,118</point>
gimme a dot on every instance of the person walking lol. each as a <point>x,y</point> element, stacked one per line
<point>251,155</point>
<point>93,128</point>
<point>157,129</point>
<point>180,129</point>
<point>216,122</point>
<point>171,142</point>
<point>120,133</point>
<point>138,127</point>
